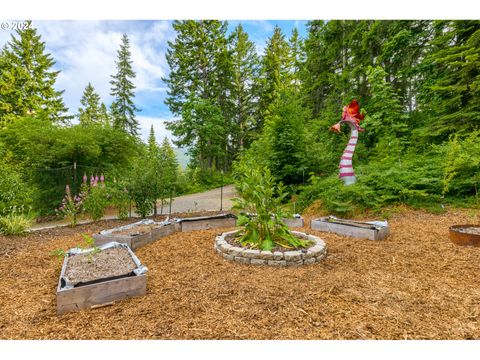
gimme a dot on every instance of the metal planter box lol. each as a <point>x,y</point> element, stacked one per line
<point>374,230</point>
<point>136,241</point>
<point>207,222</point>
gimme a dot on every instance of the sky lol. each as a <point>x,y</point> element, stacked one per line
<point>85,51</point>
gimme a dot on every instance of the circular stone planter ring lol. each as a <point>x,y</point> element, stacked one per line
<point>307,256</point>
<point>465,235</point>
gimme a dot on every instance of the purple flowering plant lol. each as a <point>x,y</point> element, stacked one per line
<point>71,206</point>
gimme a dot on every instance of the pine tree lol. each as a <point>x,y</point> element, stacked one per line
<point>170,167</point>
<point>123,108</point>
<point>274,75</point>
<point>451,87</point>
<point>91,113</point>
<point>199,86</point>
<point>297,57</point>
<point>155,168</point>
<point>245,63</point>
<point>27,80</point>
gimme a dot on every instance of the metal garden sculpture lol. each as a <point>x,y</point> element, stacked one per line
<point>351,116</point>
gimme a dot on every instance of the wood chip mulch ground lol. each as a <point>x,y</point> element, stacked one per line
<point>416,284</point>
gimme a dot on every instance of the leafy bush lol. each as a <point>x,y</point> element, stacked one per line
<point>95,201</point>
<point>262,198</point>
<point>15,222</point>
<point>119,198</point>
<point>138,184</point>
<point>461,169</point>
<point>14,192</point>
<point>415,182</point>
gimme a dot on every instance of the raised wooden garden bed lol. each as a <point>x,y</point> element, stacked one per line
<point>374,230</point>
<point>207,222</point>
<point>89,279</point>
<point>465,235</point>
<point>137,234</point>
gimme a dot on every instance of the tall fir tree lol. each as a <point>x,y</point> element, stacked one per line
<point>123,108</point>
<point>245,63</point>
<point>93,112</point>
<point>274,75</point>
<point>155,167</point>
<point>27,80</point>
<point>170,167</point>
<point>199,85</point>
<point>451,82</point>
<point>297,57</point>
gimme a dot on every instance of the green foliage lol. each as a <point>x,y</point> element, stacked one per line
<point>92,112</point>
<point>415,182</point>
<point>95,201</point>
<point>450,88</point>
<point>245,64</point>
<point>60,254</point>
<point>46,153</point>
<point>199,82</point>
<point>27,80</point>
<point>260,209</point>
<point>14,222</point>
<point>119,198</point>
<point>461,167</point>
<point>123,90</point>
<point>71,206</point>
<point>14,191</point>
<point>286,141</point>
<point>138,184</point>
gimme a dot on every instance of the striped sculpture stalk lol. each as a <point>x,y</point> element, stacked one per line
<point>351,116</point>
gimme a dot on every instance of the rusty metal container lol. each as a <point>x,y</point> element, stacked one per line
<point>465,238</point>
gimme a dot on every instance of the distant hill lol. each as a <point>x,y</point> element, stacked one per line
<point>182,157</point>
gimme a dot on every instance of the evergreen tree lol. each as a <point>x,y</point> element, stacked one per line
<point>92,112</point>
<point>275,75</point>
<point>199,86</point>
<point>123,108</point>
<point>245,63</point>
<point>27,80</point>
<point>285,139</point>
<point>169,169</point>
<point>155,168</point>
<point>297,57</point>
<point>451,80</point>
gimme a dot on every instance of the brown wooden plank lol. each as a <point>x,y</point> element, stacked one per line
<point>95,294</point>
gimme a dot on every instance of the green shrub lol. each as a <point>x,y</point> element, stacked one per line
<point>95,201</point>
<point>14,223</point>
<point>119,198</point>
<point>14,192</point>
<point>262,198</point>
<point>415,182</point>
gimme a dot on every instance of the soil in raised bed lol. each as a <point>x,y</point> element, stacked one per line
<point>137,230</point>
<point>469,230</point>
<point>234,242</point>
<point>82,268</point>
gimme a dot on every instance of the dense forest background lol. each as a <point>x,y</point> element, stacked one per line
<point>418,83</point>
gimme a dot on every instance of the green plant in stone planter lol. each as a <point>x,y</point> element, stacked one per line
<point>260,209</point>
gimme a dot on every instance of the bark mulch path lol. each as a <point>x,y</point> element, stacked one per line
<point>414,285</point>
